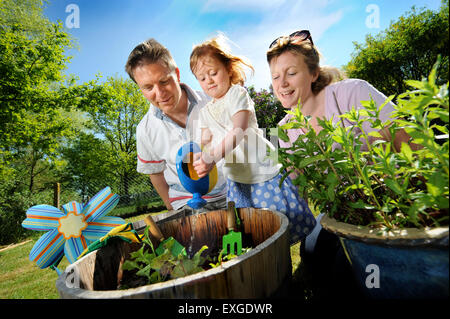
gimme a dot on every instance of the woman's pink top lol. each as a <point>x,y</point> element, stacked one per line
<point>348,93</point>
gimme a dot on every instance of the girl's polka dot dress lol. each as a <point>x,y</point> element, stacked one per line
<point>269,195</point>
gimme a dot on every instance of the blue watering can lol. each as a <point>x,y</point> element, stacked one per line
<point>189,178</point>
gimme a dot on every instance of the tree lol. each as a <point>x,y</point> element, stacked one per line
<point>47,131</point>
<point>88,167</point>
<point>31,60</point>
<point>32,85</point>
<point>408,49</point>
<point>268,108</point>
<point>34,95</point>
<point>115,120</point>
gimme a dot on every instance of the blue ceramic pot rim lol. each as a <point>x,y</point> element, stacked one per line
<point>411,237</point>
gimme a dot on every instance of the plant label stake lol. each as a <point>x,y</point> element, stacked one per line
<point>176,249</point>
<point>232,242</point>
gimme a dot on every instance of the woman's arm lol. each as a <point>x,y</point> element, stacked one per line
<point>400,137</point>
<point>355,91</point>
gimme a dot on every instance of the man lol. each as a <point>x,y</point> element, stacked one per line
<point>169,123</point>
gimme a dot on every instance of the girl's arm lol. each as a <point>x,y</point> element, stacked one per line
<point>205,162</point>
<point>206,137</point>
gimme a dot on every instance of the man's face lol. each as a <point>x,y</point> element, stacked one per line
<point>159,85</point>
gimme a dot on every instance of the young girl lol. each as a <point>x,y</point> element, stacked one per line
<point>230,131</point>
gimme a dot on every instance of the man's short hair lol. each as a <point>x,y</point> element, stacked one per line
<point>148,52</point>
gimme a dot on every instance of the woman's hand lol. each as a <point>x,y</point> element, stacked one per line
<point>203,164</point>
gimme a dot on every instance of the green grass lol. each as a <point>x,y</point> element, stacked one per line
<point>123,210</point>
<point>20,278</point>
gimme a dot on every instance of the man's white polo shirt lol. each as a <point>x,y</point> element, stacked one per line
<point>158,140</point>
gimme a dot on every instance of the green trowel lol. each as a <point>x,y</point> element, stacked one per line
<point>232,242</point>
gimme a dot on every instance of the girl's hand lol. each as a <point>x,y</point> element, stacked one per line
<point>203,164</point>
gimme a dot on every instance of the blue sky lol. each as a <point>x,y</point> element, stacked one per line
<point>109,30</point>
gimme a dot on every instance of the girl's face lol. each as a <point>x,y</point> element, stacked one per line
<point>291,79</point>
<point>213,76</point>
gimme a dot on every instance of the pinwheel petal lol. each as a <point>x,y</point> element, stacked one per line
<point>75,207</point>
<point>42,218</point>
<point>48,249</point>
<point>74,247</point>
<point>100,205</point>
<point>100,227</point>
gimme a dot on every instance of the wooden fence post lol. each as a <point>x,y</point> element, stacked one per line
<point>56,193</point>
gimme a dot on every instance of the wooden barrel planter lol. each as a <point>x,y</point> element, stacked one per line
<point>264,271</point>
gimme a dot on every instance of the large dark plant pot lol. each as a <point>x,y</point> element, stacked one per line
<point>408,263</point>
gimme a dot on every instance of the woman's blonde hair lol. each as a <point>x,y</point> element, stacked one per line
<point>218,48</point>
<point>311,56</point>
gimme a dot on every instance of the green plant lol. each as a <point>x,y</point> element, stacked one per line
<point>165,266</point>
<point>217,261</point>
<point>360,178</point>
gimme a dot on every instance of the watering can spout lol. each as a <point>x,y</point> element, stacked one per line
<point>197,201</point>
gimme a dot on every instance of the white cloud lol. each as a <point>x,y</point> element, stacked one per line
<point>283,19</point>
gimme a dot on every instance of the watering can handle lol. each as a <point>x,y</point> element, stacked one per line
<point>153,228</point>
<point>231,217</point>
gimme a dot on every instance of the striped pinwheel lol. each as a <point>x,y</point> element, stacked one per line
<point>72,230</point>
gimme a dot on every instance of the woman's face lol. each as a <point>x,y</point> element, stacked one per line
<point>291,79</point>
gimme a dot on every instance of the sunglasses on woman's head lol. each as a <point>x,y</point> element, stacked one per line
<point>301,36</point>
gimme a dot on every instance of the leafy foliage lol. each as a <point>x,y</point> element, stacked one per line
<point>31,60</point>
<point>365,182</point>
<point>41,110</point>
<point>222,257</point>
<point>32,119</point>
<point>164,267</point>
<point>154,268</point>
<point>105,153</point>
<point>268,109</point>
<point>406,50</point>
<point>115,119</point>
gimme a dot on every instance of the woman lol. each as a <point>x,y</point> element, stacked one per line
<point>298,77</point>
